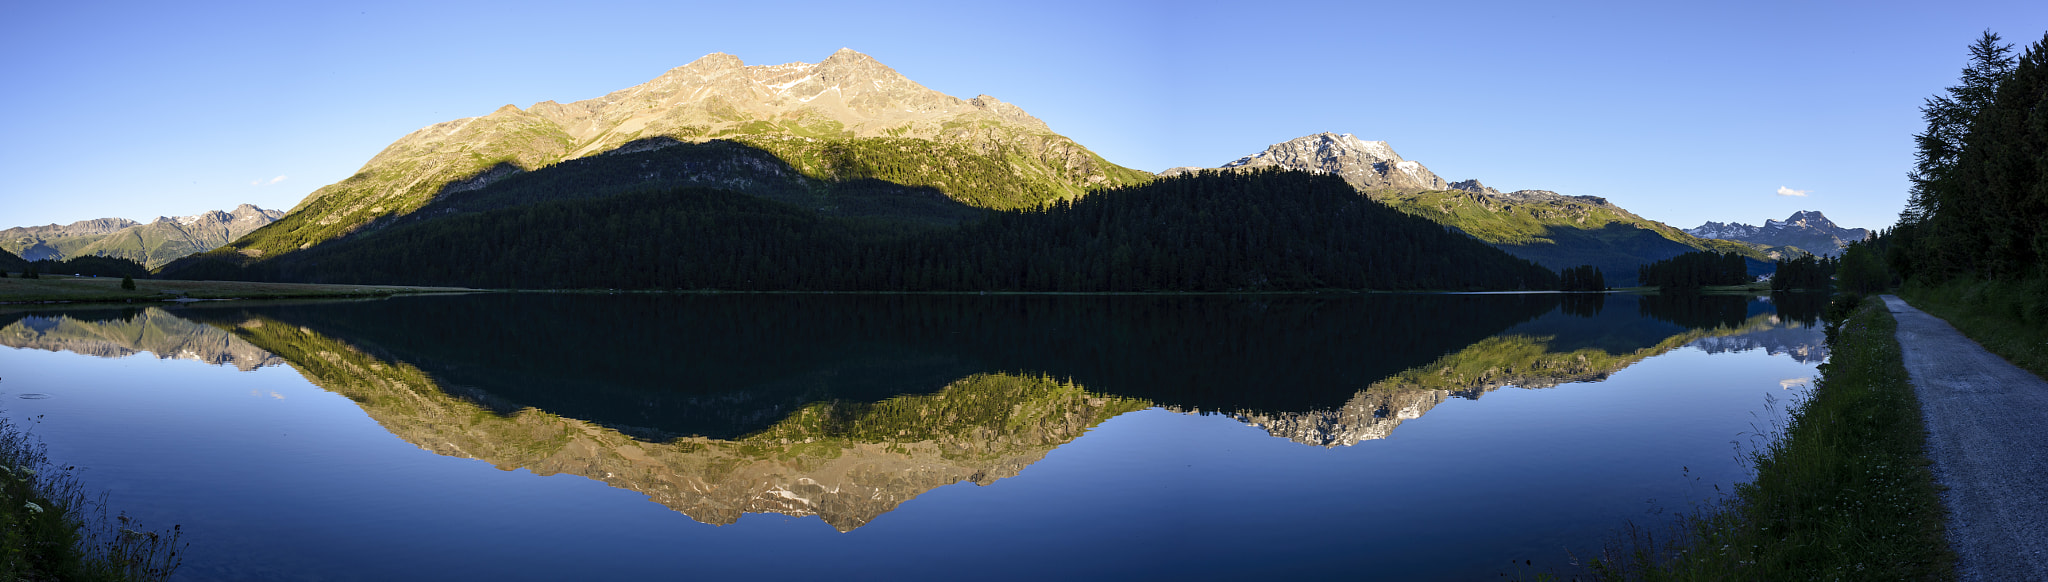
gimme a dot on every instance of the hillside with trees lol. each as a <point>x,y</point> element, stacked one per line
<point>1215,231</point>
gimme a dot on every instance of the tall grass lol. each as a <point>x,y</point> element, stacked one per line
<point>52,529</point>
<point>1841,493</point>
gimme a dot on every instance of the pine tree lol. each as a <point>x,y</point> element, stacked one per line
<point>1940,204</point>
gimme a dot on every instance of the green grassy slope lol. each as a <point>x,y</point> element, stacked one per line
<point>1564,232</point>
<point>1000,167</point>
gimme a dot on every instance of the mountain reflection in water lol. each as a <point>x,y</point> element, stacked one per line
<point>844,407</point>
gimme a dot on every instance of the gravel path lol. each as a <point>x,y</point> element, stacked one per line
<point>1987,431</point>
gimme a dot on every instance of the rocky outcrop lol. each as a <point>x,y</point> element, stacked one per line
<point>1369,415</point>
<point>153,244</point>
<point>1475,187</point>
<point>1806,230</point>
<point>152,331</point>
<point>1367,165</point>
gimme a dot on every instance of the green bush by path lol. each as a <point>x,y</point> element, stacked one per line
<point>1844,493</point>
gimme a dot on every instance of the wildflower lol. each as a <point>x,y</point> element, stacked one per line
<point>32,507</point>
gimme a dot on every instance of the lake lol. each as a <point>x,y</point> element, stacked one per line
<point>646,436</point>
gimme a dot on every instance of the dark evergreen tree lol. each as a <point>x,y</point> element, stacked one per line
<point>93,266</point>
<point>1979,203</point>
<point>1693,270</point>
<point>1807,273</point>
<point>1582,278</point>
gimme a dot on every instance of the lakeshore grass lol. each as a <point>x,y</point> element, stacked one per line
<point>2009,318</point>
<point>1842,490</point>
<point>51,529</point>
<point>15,289</point>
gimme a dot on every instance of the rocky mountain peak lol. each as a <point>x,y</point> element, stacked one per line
<point>1806,218</point>
<point>1475,187</point>
<point>1809,230</point>
<point>712,62</point>
<point>846,57</point>
<point>1367,165</point>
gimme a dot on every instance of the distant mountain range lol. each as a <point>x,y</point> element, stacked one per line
<point>152,244</point>
<point>1805,230</point>
<point>1554,230</point>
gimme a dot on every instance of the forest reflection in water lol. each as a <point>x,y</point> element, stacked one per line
<point>845,406</point>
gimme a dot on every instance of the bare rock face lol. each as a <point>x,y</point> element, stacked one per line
<point>1367,165</point>
<point>1475,187</point>
<point>1368,415</point>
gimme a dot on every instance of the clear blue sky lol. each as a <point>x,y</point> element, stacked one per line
<point>1682,113</point>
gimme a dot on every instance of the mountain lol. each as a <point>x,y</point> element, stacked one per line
<point>1551,229</point>
<point>1806,230</point>
<point>831,136</point>
<point>153,244</point>
<point>1366,165</point>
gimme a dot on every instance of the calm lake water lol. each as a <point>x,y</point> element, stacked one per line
<point>548,437</point>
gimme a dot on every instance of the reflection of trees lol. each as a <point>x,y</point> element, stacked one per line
<point>846,462</point>
<point>1583,304</point>
<point>1802,307</point>
<point>1696,310</point>
<point>724,366</point>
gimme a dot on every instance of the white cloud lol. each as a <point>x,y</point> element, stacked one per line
<point>1782,191</point>
<point>266,182</point>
